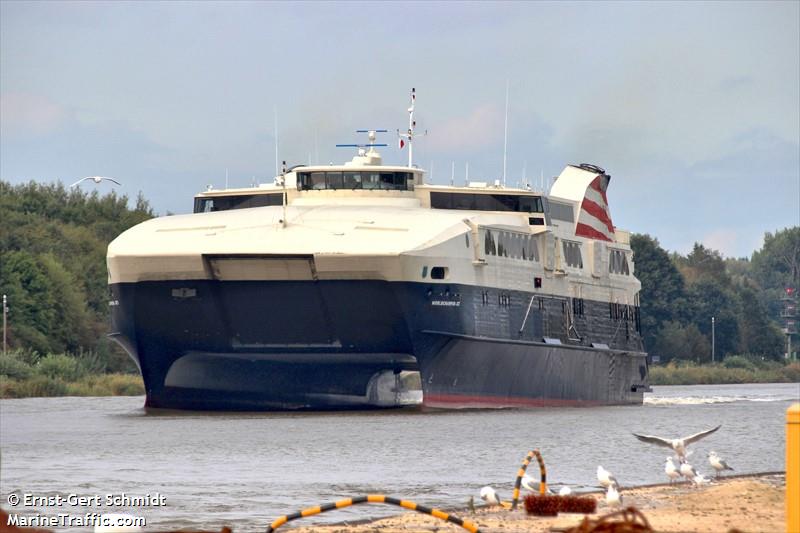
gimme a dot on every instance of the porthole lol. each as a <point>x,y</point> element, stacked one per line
<point>439,272</point>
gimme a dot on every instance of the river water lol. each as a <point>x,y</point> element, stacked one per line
<point>244,470</point>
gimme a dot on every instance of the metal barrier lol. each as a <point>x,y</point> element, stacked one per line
<point>374,498</point>
<point>521,472</point>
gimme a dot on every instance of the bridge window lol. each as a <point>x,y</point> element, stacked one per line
<point>335,180</point>
<point>239,201</point>
<point>486,202</point>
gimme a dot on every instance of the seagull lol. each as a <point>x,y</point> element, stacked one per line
<point>688,471</point>
<point>699,479</point>
<point>96,179</point>
<point>605,478</point>
<point>489,495</point>
<point>532,485</point>
<point>671,471</point>
<point>565,491</point>
<point>613,497</point>
<point>679,445</point>
<point>717,463</point>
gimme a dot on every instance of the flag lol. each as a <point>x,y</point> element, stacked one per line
<point>402,143</point>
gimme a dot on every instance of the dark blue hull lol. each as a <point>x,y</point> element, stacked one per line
<point>256,345</point>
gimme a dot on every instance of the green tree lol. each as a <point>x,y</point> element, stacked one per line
<point>30,298</point>
<point>701,264</point>
<point>680,341</point>
<point>758,335</point>
<point>663,288</point>
<point>708,298</point>
<point>53,244</point>
<point>777,266</point>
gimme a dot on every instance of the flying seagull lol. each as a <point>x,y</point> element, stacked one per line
<point>718,463</point>
<point>679,445</point>
<point>96,179</point>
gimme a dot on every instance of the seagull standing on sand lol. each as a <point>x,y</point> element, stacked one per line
<point>717,463</point>
<point>532,485</point>
<point>96,179</point>
<point>605,478</point>
<point>489,495</point>
<point>671,470</point>
<point>678,445</point>
<point>688,471</point>
<point>613,497</point>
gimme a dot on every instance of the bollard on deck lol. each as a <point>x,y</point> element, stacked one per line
<point>792,497</point>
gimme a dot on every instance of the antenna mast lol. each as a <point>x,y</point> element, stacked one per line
<point>411,125</point>
<point>275,109</point>
<point>505,139</point>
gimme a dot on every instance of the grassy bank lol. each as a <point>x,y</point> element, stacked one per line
<point>735,369</point>
<point>28,374</point>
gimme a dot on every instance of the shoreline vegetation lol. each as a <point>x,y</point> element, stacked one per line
<point>28,375</point>
<point>735,369</point>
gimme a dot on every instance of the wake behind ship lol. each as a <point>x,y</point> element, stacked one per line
<point>354,286</point>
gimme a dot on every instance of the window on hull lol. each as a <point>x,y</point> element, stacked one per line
<point>572,254</point>
<point>371,180</point>
<point>508,244</point>
<point>486,202</point>
<point>618,263</point>
<point>240,201</point>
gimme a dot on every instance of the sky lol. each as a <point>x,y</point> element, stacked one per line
<point>692,108</point>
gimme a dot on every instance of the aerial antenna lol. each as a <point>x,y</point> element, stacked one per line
<point>431,176</point>
<point>524,169</point>
<point>316,148</point>
<point>226,178</point>
<point>409,134</point>
<point>282,183</point>
<point>371,144</point>
<point>452,173</point>
<point>505,139</point>
<point>466,174</point>
<point>275,109</point>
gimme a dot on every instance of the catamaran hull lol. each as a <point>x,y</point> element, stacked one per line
<point>279,345</point>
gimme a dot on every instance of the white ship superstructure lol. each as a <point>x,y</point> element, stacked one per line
<point>331,286</point>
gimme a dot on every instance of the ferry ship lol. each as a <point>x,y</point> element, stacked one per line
<point>362,286</point>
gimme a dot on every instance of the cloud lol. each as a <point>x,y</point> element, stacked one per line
<point>723,240</point>
<point>26,114</point>
<point>473,131</point>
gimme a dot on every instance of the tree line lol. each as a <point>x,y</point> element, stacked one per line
<point>53,244</point>
<point>680,294</point>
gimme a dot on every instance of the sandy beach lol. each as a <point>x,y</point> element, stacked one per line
<point>753,504</point>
